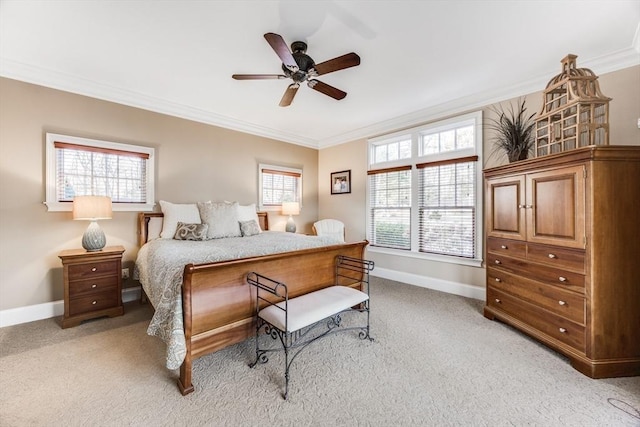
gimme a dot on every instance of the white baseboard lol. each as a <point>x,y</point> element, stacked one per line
<point>15,316</point>
<point>431,283</point>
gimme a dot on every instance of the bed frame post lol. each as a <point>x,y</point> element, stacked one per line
<point>184,382</point>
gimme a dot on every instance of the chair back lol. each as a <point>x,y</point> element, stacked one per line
<point>329,227</point>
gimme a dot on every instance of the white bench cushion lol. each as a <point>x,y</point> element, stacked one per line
<point>310,308</point>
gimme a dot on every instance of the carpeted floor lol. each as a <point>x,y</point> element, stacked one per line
<point>436,361</point>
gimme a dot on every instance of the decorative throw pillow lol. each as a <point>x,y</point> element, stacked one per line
<point>222,219</point>
<point>249,228</point>
<point>248,213</point>
<point>174,213</point>
<point>191,231</point>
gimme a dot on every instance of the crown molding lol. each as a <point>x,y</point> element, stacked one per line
<point>69,83</point>
<point>614,61</point>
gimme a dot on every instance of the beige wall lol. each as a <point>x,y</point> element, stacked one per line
<point>194,162</point>
<point>622,86</point>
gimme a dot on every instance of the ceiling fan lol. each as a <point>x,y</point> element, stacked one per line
<point>299,67</point>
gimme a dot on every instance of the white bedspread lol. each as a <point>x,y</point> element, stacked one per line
<point>160,266</point>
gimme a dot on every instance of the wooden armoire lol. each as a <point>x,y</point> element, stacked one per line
<point>563,254</point>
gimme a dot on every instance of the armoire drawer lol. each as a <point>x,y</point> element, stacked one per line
<point>512,248</point>
<point>543,320</point>
<point>562,258</point>
<point>560,301</point>
<point>534,271</point>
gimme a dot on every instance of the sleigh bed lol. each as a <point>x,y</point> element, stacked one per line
<point>203,307</point>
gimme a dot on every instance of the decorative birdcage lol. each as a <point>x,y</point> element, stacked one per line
<point>574,112</point>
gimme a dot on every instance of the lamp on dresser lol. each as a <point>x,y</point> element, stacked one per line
<point>92,208</point>
<point>290,208</point>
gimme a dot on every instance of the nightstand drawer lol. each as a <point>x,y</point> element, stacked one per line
<point>91,286</point>
<point>92,269</point>
<point>93,302</point>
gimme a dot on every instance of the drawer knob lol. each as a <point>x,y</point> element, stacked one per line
<point>498,300</point>
<point>94,269</point>
<point>563,330</point>
<point>552,256</point>
<point>94,302</point>
<point>498,261</point>
<point>504,247</point>
<point>562,302</point>
<point>562,279</point>
<point>94,286</point>
<point>498,279</point>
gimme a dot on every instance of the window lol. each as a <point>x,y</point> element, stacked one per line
<point>279,184</point>
<point>81,167</point>
<point>425,191</point>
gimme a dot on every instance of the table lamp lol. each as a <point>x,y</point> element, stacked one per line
<point>92,208</point>
<point>290,208</point>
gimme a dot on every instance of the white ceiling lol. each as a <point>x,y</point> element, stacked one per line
<point>420,59</point>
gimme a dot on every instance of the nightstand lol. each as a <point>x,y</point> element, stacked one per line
<point>92,284</point>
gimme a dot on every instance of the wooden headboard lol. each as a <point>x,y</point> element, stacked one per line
<point>145,217</point>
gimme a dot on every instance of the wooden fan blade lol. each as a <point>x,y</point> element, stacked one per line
<point>333,92</point>
<point>282,50</point>
<point>287,98</point>
<point>340,63</point>
<point>258,76</point>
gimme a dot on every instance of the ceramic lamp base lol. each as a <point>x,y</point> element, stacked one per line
<point>93,239</point>
<point>291,226</point>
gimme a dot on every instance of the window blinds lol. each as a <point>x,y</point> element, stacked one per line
<point>446,207</point>
<point>83,171</point>
<point>390,207</point>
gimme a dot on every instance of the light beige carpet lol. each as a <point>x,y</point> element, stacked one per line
<point>436,361</point>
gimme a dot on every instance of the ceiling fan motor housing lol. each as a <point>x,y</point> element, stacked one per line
<point>304,61</point>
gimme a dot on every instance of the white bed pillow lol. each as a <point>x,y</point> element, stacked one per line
<point>222,218</point>
<point>174,213</point>
<point>248,213</point>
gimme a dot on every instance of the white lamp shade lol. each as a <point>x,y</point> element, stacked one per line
<point>92,207</point>
<point>290,208</point>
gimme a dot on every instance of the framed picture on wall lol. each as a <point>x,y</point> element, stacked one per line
<point>341,182</point>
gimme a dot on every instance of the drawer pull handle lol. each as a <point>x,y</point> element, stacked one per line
<point>94,302</point>
<point>94,269</point>
<point>94,286</point>
<point>562,279</point>
<point>552,256</point>
<point>504,247</point>
<point>562,330</point>
<point>498,300</point>
<point>498,261</point>
<point>498,279</point>
<point>562,302</point>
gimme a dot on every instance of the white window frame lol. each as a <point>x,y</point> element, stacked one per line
<point>418,158</point>
<point>284,169</point>
<point>52,203</point>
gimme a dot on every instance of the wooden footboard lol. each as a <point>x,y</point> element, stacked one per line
<point>218,305</point>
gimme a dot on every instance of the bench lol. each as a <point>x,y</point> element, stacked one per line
<point>296,322</point>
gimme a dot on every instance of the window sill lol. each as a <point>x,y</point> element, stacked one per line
<point>429,257</point>
<point>116,207</point>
